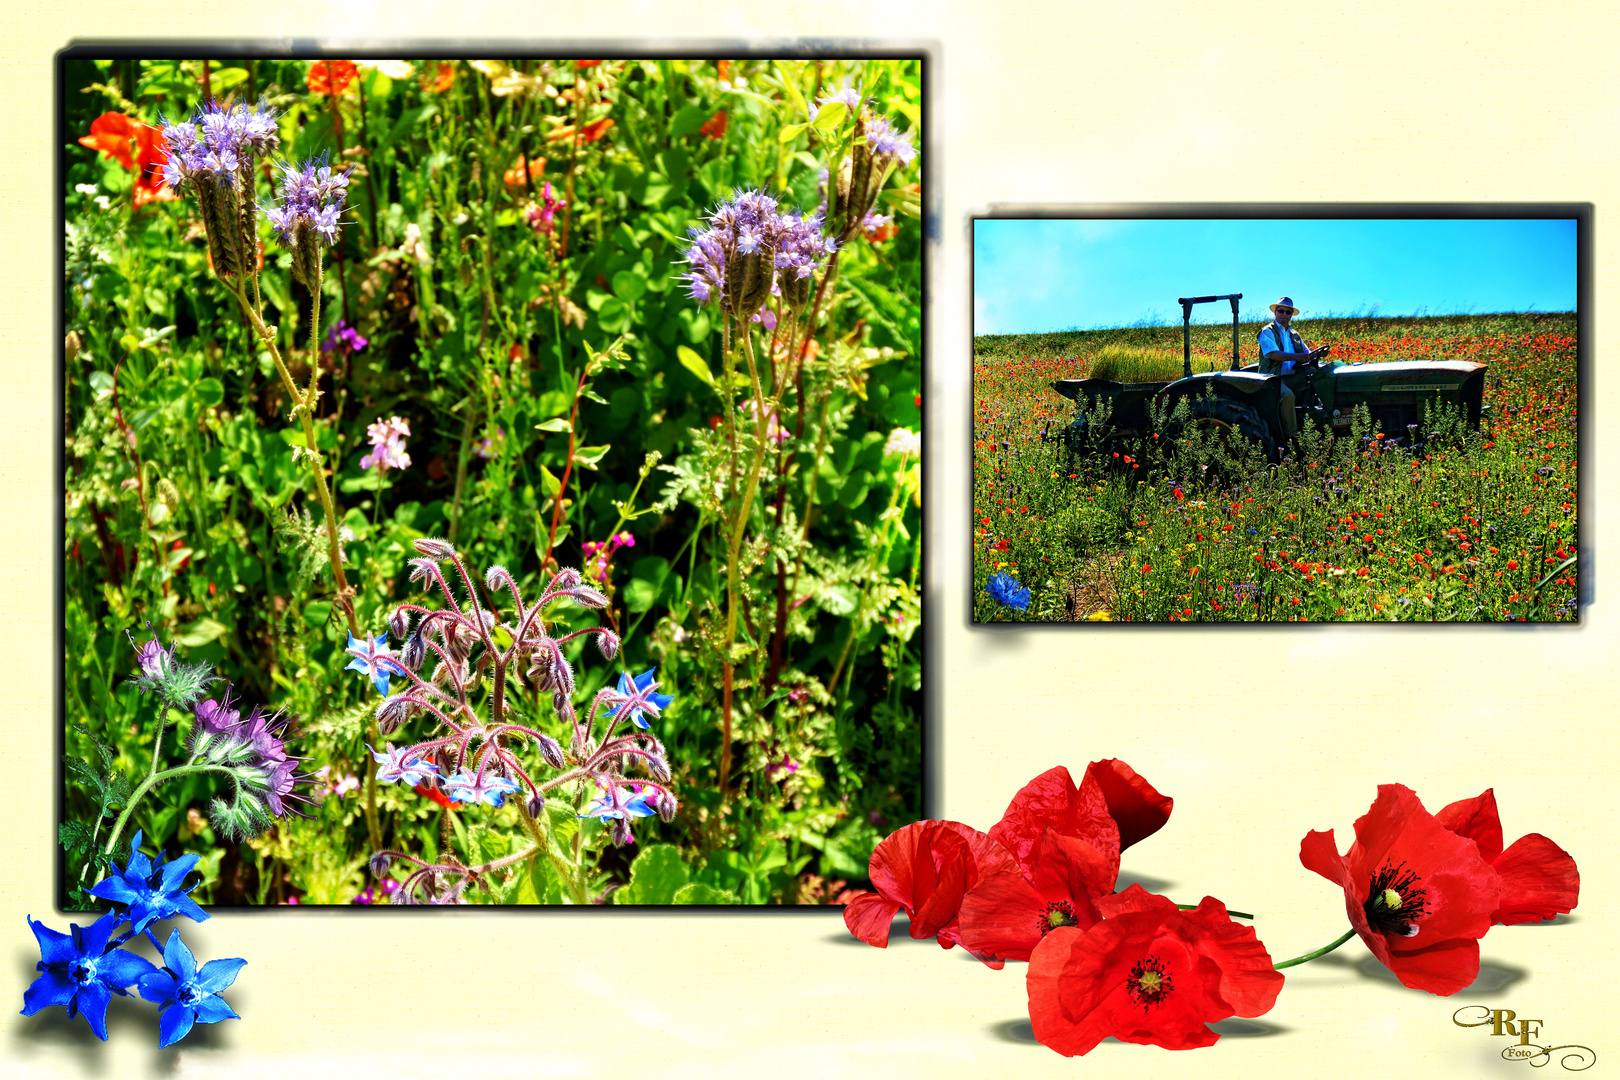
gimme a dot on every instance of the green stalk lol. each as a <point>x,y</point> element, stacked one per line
<point>1323,951</point>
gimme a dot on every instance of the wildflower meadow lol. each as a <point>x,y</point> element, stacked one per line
<point>1441,523</point>
<point>489,481</point>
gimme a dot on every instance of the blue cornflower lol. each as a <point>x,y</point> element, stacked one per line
<point>80,973</point>
<point>376,659</point>
<point>186,993</point>
<point>476,788</point>
<point>637,697</point>
<point>1004,589</point>
<point>403,763</point>
<point>149,891</point>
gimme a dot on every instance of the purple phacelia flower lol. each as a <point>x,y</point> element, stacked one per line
<point>887,144</point>
<point>387,445</point>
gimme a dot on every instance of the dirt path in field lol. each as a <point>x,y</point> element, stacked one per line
<point>1091,587</point>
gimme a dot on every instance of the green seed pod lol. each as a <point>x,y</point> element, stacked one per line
<point>748,279</point>
<point>220,225</point>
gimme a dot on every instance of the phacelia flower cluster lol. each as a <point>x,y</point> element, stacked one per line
<point>306,215</point>
<point>252,750</point>
<point>215,153</point>
<point>465,683</point>
<point>752,250</point>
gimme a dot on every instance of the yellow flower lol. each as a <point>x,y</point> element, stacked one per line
<point>1098,616</point>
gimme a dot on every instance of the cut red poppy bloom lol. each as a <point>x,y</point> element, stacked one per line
<point>924,868</point>
<point>1066,841</point>
<point>1147,973</point>
<point>1419,895</point>
<point>1539,878</point>
<point>330,76</point>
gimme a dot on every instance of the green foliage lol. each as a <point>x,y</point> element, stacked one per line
<point>561,387</point>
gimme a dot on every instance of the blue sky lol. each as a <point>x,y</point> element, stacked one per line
<point>1032,275</point>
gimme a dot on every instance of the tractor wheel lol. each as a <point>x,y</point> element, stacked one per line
<point>1231,419</point>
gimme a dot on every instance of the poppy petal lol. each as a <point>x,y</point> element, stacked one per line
<point>1478,820</point>
<point>868,916</point>
<point>1539,881</point>
<point>1133,803</point>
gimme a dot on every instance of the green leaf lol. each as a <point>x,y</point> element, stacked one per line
<point>697,893</point>
<point>614,315</point>
<point>830,116</point>
<point>553,485</point>
<point>208,392</point>
<point>556,423</point>
<point>588,457</point>
<point>688,120</point>
<point>655,877</point>
<point>225,78</point>
<point>791,85</point>
<point>531,882</point>
<point>629,285</point>
<point>790,132</point>
<point>694,363</point>
<point>200,632</point>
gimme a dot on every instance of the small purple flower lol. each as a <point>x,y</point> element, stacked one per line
<point>309,203</point>
<point>487,787</point>
<point>636,697</point>
<point>375,659</point>
<point>345,335</point>
<point>187,994</point>
<point>850,96</point>
<point>403,763</point>
<point>148,891</point>
<point>387,445</point>
<point>887,144</point>
<point>488,446</point>
<point>80,973</point>
<point>542,217</point>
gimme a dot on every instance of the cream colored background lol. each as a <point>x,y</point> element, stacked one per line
<point>1032,103</point>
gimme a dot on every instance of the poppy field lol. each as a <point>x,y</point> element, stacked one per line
<point>490,481</point>
<point>1446,523</point>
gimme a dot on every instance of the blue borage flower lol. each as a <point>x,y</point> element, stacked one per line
<point>1004,589</point>
<point>636,697</point>
<point>403,763</point>
<point>148,890</point>
<point>487,787</point>
<point>375,659</point>
<point>80,973</point>
<point>186,993</point>
<point>613,806</point>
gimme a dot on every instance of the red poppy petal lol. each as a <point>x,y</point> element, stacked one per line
<point>894,860</point>
<point>1249,984</point>
<point>1462,889</point>
<point>1133,899</point>
<point>1001,917</point>
<point>1054,1013</point>
<point>868,916</point>
<point>1133,803</point>
<point>1318,852</point>
<point>1442,969</point>
<point>1539,880</point>
<point>950,862</point>
<point>1478,820</point>
<point>1051,801</point>
<point>1072,866</point>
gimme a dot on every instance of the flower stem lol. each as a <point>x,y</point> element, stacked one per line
<point>1234,914</point>
<point>1323,951</point>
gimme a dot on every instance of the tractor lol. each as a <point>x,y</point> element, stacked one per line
<point>1245,403</point>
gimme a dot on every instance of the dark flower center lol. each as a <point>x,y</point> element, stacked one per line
<point>83,971</point>
<point>188,995</point>
<point>1394,901</point>
<point>1058,913</point>
<point>1148,982</point>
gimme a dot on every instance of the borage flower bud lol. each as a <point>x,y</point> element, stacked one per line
<point>658,768</point>
<point>399,623</point>
<point>586,596</point>
<point>566,579</point>
<point>536,805</point>
<point>379,864</point>
<point>435,548</point>
<point>622,836</point>
<point>608,642</point>
<point>413,652</point>
<point>552,751</point>
<point>495,577</point>
<point>392,712</point>
<point>667,807</point>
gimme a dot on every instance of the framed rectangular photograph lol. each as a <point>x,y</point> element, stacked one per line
<point>1353,414</point>
<point>489,480</point>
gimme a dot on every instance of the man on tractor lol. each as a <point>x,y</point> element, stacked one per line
<point>1281,348</point>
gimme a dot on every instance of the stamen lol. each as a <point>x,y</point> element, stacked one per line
<point>1394,901</point>
<point>1149,983</point>
<point>1058,913</point>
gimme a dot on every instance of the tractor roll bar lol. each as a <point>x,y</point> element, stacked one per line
<point>1187,303</point>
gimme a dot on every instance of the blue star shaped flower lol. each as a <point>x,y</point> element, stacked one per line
<point>607,809</point>
<point>80,973</point>
<point>149,891</point>
<point>636,697</point>
<point>376,659</point>
<point>472,788</point>
<point>403,763</point>
<point>186,993</point>
<point>1004,589</point>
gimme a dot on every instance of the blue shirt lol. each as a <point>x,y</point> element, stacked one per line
<point>1275,338</point>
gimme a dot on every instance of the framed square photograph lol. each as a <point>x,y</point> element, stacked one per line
<point>1328,414</point>
<point>489,480</point>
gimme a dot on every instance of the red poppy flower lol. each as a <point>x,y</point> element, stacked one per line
<point>330,76</point>
<point>429,791</point>
<point>113,134</point>
<point>1066,841</point>
<point>152,153</point>
<point>595,130</point>
<point>715,126</point>
<point>924,868</point>
<point>1539,878</point>
<point>444,77</point>
<point>1419,895</point>
<point>1147,973</point>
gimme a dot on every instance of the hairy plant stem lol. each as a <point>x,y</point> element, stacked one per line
<point>1323,951</point>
